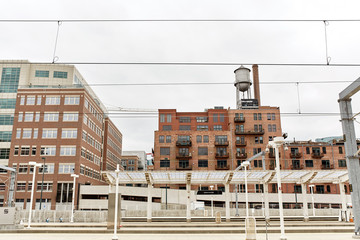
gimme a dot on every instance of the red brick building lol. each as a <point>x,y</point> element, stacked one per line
<point>64,128</point>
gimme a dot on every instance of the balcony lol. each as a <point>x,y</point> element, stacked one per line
<point>241,155</point>
<point>222,155</point>
<point>184,167</point>
<point>297,167</point>
<point>221,143</point>
<point>295,155</point>
<point>249,132</point>
<point>317,155</point>
<point>240,143</point>
<point>183,155</point>
<point>326,166</point>
<point>222,167</point>
<point>183,143</point>
<point>239,119</point>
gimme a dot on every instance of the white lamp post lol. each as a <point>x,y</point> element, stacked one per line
<point>312,198</point>
<point>212,202</point>
<point>73,197</point>
<point>116,202</point>
<point>246,164</point>
<point>32,190</point>
<point>276,144</point>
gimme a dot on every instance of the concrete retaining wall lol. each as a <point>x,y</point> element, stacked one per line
<point>101,216</point>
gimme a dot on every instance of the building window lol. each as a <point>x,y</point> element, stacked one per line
<point>222,118</point>
<point>38,102</point>
<point>30,100</point>
<point>72,100</point>
<point>5,136</point>
<point>29,116</point>
<point>217,128</point>
<point>255,116</point>
<point>7,103</point>
<point>164,151</point>
<point>20,186</point>
<point>48,151</point>
<point>22,100</point>
<point>4,153</point>
<point>184,119</point>
<point>69,133</point>
<point>320,189</point>
<point>36,131</point>
<point>340,150</point>
<point>202,128</point>
<point>162,117</point>
<point>259,188</point>
<point>203,163</point>
<point>52,100</point>
<point>16,151</point>
<point>274,127</point>
<point>258,163</point>
<point>37,116</point>
<point>309,163</point>
<point>20,117</point>
<point>161,139</point>
<point>307,150</point>
<point>49,133</point>
<point>64,192</point>
<point>6,119</point>
<point>27,133</point>
<point>269,116</point>
<point>23,168</point>
<point>273,116</point>
<point>259,116</point>
<point>70,117</point>
<point>9,80</point>
<point>58,74</point>
<point>66,168</point>
<point>46,187</point>
<point>324,149</point>
<point>168,118</point>
<point>206,138</point>
<point>168,139</point>
<point>201,119</point>
<point>198,138</point>
<point>25,151</point>
<point>165,163</point>
<point>215,118</point>
<point>33,151</point>
<point>51,117</point>
<point>185,127</point>
<point>202,151</point>
<point>342,163</point>
<point>166,128</point>
<point>40,73</point>
<point>67,151</point>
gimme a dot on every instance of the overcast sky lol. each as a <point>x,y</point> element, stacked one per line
<point>222,42</point>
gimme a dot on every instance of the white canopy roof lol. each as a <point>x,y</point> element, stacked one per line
<point>231,177</point>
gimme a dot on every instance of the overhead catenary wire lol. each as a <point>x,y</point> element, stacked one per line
<point>173,20</point>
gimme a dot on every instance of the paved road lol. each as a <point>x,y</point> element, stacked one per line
<point>305,236</point>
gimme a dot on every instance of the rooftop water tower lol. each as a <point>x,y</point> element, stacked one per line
<point>242,84</point>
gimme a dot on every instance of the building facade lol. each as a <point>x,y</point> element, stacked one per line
<point>57,121</point>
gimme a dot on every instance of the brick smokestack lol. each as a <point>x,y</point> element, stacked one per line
<point>256,82</point>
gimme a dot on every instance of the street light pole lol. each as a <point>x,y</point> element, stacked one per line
<point>245,165</point>
<point>73,197</point>
<point>32,191</point>
<point>312,198</point>
<point>116,202</point>
<point>237,201</point>
<point>42,183</point>
<point>276,143</point>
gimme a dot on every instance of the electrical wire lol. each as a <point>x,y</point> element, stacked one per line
<point>195,64</point>
<point>172,20</point>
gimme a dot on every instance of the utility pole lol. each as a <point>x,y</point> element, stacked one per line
<point>352,157</point>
